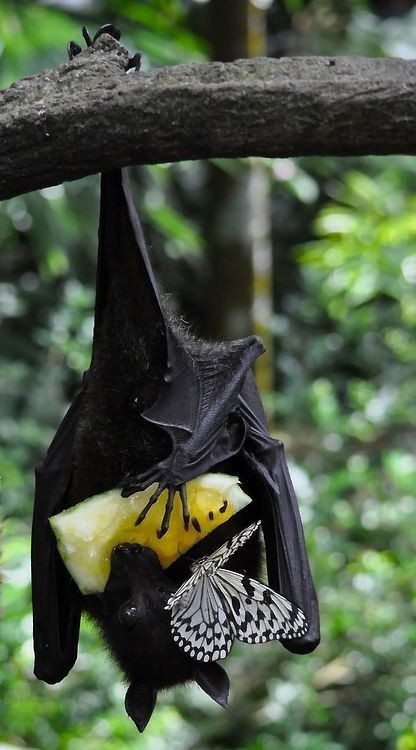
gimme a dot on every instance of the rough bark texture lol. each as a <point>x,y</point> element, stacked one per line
<point>88,114</point>
<point>226,214</point>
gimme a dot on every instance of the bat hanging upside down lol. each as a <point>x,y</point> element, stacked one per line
<point>156,405</point>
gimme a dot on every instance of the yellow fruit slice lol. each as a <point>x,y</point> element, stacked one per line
<point>87,532</point>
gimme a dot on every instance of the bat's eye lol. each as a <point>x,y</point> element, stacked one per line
<point>128,614</point>
<point>134,403</point>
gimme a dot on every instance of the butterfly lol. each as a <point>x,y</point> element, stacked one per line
<point>215,606</point>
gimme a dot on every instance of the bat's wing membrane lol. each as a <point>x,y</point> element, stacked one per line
<point>124,272</point>
<point>55,597</point>
<point>267,480</point>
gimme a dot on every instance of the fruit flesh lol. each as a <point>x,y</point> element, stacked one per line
<point>87,532</point>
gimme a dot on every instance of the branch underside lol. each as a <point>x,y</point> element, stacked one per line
<point>89,115</point>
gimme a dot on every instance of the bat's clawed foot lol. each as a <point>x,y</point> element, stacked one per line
<point>108,28</point>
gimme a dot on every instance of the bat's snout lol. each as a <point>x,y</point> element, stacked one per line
<point>125,549</point>
<point>128,552</point>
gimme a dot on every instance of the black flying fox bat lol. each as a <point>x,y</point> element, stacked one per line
<point>157,406</point>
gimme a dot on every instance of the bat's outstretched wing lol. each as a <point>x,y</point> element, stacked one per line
<point>266,478</point>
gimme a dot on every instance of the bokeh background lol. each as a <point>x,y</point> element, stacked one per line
<point>318,255</point>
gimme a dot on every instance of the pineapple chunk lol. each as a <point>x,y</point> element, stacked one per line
<point>87,532</point>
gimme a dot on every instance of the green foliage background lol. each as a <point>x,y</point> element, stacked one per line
<point>345,313</point>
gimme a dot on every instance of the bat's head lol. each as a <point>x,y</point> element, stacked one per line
<point>133,616</point>
<point>136,573</point>
<point>133,619</point>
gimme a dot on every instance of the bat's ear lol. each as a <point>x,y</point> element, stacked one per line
<point>213,679</point>
<point>139,703</point>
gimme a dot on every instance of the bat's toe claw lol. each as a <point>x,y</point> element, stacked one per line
<point>110,29</point>
<point>168,511</point>
<point>73,49</point>
<point>140,518</point>
<point>87,37</point>
<point>196,524</point>
<point>134,62</point>
<point>127,491</point>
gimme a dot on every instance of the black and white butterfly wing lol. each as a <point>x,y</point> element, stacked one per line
<point>215,606</point>
<point>200,622</point>
<point>218,558</point>
<point>257,613</point>
<point>209,565</point>
<point>225,606</point>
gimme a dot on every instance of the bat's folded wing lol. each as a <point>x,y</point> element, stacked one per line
<point>267,480</point>
<point>55,597</point>
<point>198,407</point>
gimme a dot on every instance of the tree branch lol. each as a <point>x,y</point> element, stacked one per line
<point>88,115</point>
